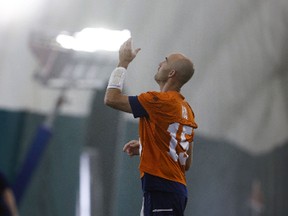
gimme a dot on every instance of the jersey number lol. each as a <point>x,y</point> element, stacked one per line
<point>173,129</point>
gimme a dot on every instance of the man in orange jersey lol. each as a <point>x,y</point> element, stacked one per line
<point>166,131</point>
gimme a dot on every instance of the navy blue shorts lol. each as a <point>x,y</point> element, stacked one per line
<point>157,203</point>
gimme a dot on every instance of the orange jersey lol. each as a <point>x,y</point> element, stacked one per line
<point>165,135</point>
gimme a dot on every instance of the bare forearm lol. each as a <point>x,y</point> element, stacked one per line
<point>115,99</point>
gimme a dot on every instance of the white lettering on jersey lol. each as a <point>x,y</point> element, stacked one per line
<point>173,130</point>
<point>184,112</point>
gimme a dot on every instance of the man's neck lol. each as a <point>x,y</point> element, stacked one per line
<point>169,87</point>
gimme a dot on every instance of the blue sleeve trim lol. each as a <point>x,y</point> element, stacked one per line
<point>137,109</point>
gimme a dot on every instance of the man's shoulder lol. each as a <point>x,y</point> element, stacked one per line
<point>159,96</point>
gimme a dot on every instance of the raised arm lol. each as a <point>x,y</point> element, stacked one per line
<point>114,97</point>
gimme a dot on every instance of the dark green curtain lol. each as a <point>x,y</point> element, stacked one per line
<point>11,126</point>
<point>53,188</point>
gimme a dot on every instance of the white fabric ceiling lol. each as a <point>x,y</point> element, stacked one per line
<point>239,90</point>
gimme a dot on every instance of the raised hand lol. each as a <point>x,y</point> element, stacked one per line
<point>127,53</point>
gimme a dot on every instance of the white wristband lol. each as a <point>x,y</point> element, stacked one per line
<point>117,78</point>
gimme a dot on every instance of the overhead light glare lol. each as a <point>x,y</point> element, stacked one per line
<point>94,39</point>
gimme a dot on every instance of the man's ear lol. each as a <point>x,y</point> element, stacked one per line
<point>172,73</point>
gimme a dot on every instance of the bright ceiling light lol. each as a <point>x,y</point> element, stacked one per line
<point>94,39</point>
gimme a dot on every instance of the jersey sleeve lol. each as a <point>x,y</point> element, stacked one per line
<point>137,109</point>
<point>157,105</point>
